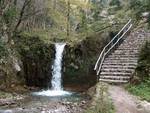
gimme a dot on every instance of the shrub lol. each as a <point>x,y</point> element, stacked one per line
<point>139,6</point>
<point>149,21</point>
<point>115,2</point>
<point>143,68</point>
<point>3,50</point>
<point>143,73</point>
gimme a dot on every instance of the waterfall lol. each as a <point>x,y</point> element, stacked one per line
<point>56,82</point>
<point>57,66</point>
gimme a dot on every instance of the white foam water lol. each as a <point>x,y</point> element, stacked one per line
<point>57,66</point>
<point>52,93</point>
<point>56,89</point>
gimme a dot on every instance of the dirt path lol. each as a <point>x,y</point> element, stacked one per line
<point>123,101</point>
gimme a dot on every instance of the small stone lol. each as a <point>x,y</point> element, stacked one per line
<point>75,104</point>
<point>83,102</point>
<point>19,109</point>
<point>12,85</point>
<point>139,106</point>
<point>42,111</point>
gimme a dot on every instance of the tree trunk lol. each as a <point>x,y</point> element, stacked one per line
<point>68,18</point>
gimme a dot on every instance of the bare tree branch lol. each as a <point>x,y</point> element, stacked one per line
<point>31,14</point>
<point>26,3</point>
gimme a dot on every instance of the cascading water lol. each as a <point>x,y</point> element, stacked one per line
<point>56,89</point>
<point>56,79</point>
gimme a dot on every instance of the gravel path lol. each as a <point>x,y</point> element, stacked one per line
<point>126,103</point>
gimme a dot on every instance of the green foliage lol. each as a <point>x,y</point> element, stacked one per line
<point>36,56</point>
<point>83,26</point>
<point>139,6</point>
<point>142,90</point>
<point>31,45</point>
<point>135,4</point>
<point>115,3</point>
<point>143,68</point>
<point>143,72</point>
<point>3,50</point>
<point>10,15</point>
<point>4,95</point>
<point>149,21</point>
<point>97,8</point>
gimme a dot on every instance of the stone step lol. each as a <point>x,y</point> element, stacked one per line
<point>133,41</point>
<point>120,58</point>
<point>133,45</point>
<point>121,48</point>
<point>121,64</point>
<point>115,73</point>
<point>125,54</point>
<point>120,54</point>
<point>118,67</point>
<point>113,81</point>
<point>126,51</point>
<point>120,61</point>
<point>137,39</point>
<point>136,46</point>
<point>116,70</point>
<point>127,46</point>
<point>115,77</point>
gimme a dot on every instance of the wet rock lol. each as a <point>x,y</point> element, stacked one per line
<point>4,102</point>
<point>145,14</point>
<point>46,106</point>
<point>19,109</point>
<point>43,111</point>
<point>76,104</point>
<point>83,102</point>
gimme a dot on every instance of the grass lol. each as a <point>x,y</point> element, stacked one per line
<point>143,74</point>
<point>142,90</point>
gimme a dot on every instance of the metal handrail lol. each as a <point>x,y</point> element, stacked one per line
<point>111,45</point>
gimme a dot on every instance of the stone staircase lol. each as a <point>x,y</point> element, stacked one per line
<point>119,66</point>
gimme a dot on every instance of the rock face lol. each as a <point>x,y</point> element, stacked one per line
<point>11,72</point>
<point>37,58</point>
<point>79,60</point>
<point>119,66</point>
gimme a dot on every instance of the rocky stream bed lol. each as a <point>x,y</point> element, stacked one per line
<point>28,103</point>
